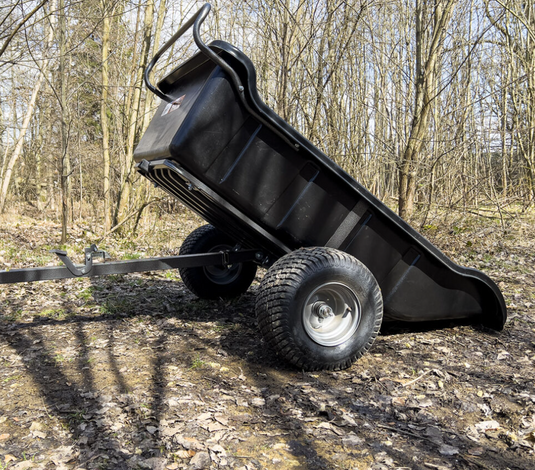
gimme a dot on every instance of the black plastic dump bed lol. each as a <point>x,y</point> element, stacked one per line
<point>245,170</point>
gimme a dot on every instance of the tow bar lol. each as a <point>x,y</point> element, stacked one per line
<point>88,269</point>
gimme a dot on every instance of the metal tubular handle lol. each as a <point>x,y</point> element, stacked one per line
<point>196,20</point>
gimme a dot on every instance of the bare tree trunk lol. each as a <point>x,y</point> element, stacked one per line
<point>426,63</point>
<point>27,117</point>
<point>104,114</point>
<point>65,167</point>
<point>134,118</point>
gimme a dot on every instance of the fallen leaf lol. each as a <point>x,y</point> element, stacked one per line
<point>348,420</point>
<point>448,450</point>
<point>399,401</point>
<point>23,465</point>
<point>218,449</point>
<point>258,402</point>
<point>435,466</point>
<point>502,355</point>
<point>9,458</point>
<point>487,425</point>
<point>434,434</point>
<point>200,461</point>
<point>35,426</point>
<point>352,440</point>
<point>476,451</point>
<point>168,431</point>
<point>151,429</point>
<point>185,454</point>
<point>221,419</point>
<point>324,425</point>
<point>213,427</point>
<point>63,454</point>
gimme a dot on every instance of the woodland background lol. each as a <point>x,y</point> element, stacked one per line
<point>427,103</point>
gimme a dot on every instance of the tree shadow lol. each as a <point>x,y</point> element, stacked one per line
<point>150,375</point>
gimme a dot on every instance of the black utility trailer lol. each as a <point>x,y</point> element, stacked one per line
<point>338,259</point>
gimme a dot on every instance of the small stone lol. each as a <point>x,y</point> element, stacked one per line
<point>425,403</point>
<point>468,407</point>
<point>280,445</point>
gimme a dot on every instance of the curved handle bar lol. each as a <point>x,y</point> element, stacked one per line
<point>196,20</point>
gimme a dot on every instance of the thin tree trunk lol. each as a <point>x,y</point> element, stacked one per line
<point>17,151</point>
<point>425,88</point>
<point>126,184</point>
<point>65,167</point>
<point>104,114</point>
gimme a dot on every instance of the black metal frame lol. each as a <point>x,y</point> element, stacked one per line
<point>70,270</point>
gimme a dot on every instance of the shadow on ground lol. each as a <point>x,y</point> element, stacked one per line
<point>133,372</point>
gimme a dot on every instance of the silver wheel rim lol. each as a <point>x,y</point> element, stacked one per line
<point>331,314</point>
<point>222,275</point>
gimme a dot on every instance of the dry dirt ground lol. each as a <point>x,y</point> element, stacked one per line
<point>134,372</point>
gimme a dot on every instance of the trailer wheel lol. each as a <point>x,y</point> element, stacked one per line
<point>213,282</point>
<point>319,308</point>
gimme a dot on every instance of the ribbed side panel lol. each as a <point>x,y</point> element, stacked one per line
<point>209,209</point>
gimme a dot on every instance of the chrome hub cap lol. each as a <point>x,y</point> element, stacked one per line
<point>331,314</point>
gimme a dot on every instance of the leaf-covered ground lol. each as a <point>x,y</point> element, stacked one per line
<point>134,372</point>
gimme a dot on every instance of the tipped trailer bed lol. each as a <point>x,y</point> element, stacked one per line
<point>339,261</point>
